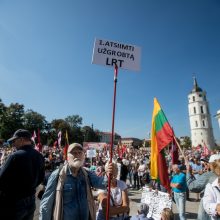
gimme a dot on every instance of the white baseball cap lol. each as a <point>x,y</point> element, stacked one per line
<point>214,157</point>
<point>73,146</point>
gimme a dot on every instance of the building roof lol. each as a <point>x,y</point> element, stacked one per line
<point>196,88</point>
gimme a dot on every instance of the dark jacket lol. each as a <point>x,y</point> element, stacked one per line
<point>22,172</point>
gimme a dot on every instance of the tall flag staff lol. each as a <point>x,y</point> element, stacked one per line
<point>112,138</point>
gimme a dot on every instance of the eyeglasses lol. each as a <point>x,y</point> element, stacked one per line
<point>76,153</point>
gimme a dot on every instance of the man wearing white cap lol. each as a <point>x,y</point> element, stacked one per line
<point>198,185</point>
<point>68,193</point>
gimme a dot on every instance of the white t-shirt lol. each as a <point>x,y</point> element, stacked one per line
<point>116,193</point>
<point>141,169</point>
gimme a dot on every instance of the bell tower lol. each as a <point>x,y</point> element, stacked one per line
<point>199,118</point>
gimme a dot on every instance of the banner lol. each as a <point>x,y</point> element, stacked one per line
<point>110,53</point>
<point>95,145</point>
<point>91,153</point>
<point>157,201</point>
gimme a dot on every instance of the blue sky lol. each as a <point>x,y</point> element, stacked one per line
<point>46,52</point>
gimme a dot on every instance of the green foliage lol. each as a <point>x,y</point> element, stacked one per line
<point>12,118</point>
<point>74,121</point>
<point>146,144</point>
<point>89,135</point>
<point>60,125</point>
<point>186,142</point>
<point>34,120</point>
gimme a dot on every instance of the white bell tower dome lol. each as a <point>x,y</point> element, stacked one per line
<point>199,117</point>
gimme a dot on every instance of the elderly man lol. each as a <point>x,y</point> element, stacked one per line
<point>68,193</point>
<point>178,184</point>
<point>22,172</point>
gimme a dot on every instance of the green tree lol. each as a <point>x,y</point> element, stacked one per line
<point>12,119</point>
<point>186,142</point>
<point>2,117</point>
<point>89,135</point>
<point>34,120</point>
<point>60,125</point>
<point>74,121</point>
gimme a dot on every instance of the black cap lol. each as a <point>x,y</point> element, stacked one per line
<point>20,133</point>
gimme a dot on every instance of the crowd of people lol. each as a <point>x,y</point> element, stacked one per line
<point>73,186</point>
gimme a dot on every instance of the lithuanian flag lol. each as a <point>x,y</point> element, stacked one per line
<point>161,136</point>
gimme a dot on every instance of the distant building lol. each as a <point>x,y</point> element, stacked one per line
<point>131,142</point>
<point>106,137</point>
<point>200,119</point>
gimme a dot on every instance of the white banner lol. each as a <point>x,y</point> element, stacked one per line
<point>156,201</point>
<point>94,145</point>
<point>109,53</point>
<point>91,153</point>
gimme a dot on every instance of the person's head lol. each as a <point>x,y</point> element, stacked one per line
<point>212,161</point>
<point>216,167</point>
<point>48,166</point>
<point>144,209</point>
<point>119,160</point>
<point>75,155</point>
<point>167,214</point>
<point>196,161</point>
<point>20,138</point>
<point>175,168</point>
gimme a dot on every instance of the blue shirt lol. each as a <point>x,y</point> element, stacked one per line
<point>180,179</point>
<point>75,203</point>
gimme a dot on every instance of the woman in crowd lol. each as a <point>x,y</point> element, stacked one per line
<point>119,202</point>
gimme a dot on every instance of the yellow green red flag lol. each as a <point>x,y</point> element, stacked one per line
<point>161,136</point>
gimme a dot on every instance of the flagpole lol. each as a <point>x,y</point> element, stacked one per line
<point>179,147</point>
<point>112,138</point>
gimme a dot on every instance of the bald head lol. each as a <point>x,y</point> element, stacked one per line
<point>175,168</point>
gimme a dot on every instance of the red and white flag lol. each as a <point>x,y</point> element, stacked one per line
<point>39,145</point>
<point>205,150</point>
<point>59,138</point>
<point>33,136</point>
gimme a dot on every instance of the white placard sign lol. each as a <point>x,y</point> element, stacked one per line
<point>156,201</point>
<point>109,53</point>
<point>91,153</point>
